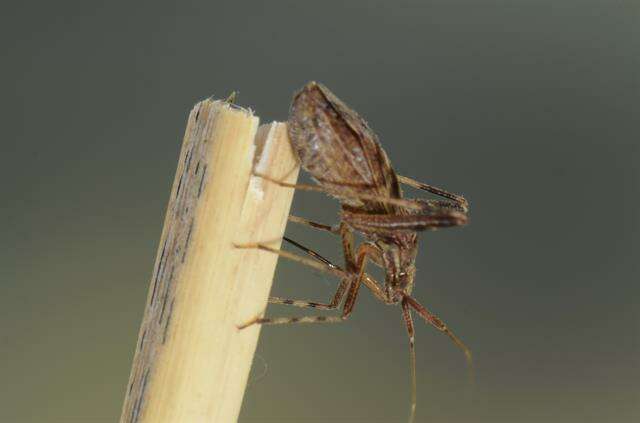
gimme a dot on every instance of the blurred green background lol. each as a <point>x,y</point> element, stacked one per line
<point>529,108</point>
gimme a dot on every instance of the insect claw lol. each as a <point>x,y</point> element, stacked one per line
<point>244,325</point>
<point>248,323</point>
<point>246,246</point>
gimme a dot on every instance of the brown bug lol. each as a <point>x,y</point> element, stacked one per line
<point>343,155</point>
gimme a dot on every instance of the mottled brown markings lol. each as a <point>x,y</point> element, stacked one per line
<point>342,154</point>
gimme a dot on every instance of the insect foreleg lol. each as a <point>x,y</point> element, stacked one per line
<point>390,222</point>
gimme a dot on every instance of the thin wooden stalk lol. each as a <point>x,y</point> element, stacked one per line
<point>191,362</point>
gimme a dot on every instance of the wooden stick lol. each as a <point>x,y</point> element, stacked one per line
<point>192,363</point>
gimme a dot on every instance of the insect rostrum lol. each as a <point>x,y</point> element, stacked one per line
<point>343,156</point>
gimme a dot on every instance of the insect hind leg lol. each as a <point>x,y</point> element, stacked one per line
<point>291,320</point>
<point>332,305</point>
<point>337,298</point>
<point>352,280</point>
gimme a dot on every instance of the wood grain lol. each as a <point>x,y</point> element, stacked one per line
<point>191,362</point>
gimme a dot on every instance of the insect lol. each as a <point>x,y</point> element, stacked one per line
<point>343,156</point>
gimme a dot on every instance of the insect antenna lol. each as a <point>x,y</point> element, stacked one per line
<point>439,324</point>
<point>406,314</point>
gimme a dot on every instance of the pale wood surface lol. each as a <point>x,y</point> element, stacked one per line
<point>191,362</point>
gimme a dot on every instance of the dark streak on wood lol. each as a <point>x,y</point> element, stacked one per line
<point>135,413</point>
<point>204,172</point>
<point>161,270</point>
<point>186,242</point>
<point>179,185</point>
<point>164,303</point>
<point>145,380</point>
<point>142,338</point>
<point>177,237</point>
<point>188,161</point>
<point>171,273</point>
<point>166,325</point>
<point>157,272</point>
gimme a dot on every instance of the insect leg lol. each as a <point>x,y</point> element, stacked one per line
<point>335,301</point>
<point>365,251</point>
<point>439,324</point>
<point>327,267</point>
<point>352,295</point>
<point>305,319</point>
<point>336,192</point>
<point>290,320</point>
<point>369,282</point>
<point>435,205</point>
<point>346,236</point>
<point>435,190</point>
<point>406,314</point>
<point>302,303</point>
<point>312,253</point>
<point>315,225</point>
<point>421,222</point>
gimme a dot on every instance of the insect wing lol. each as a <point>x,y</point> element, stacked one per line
<point>339,150</point>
